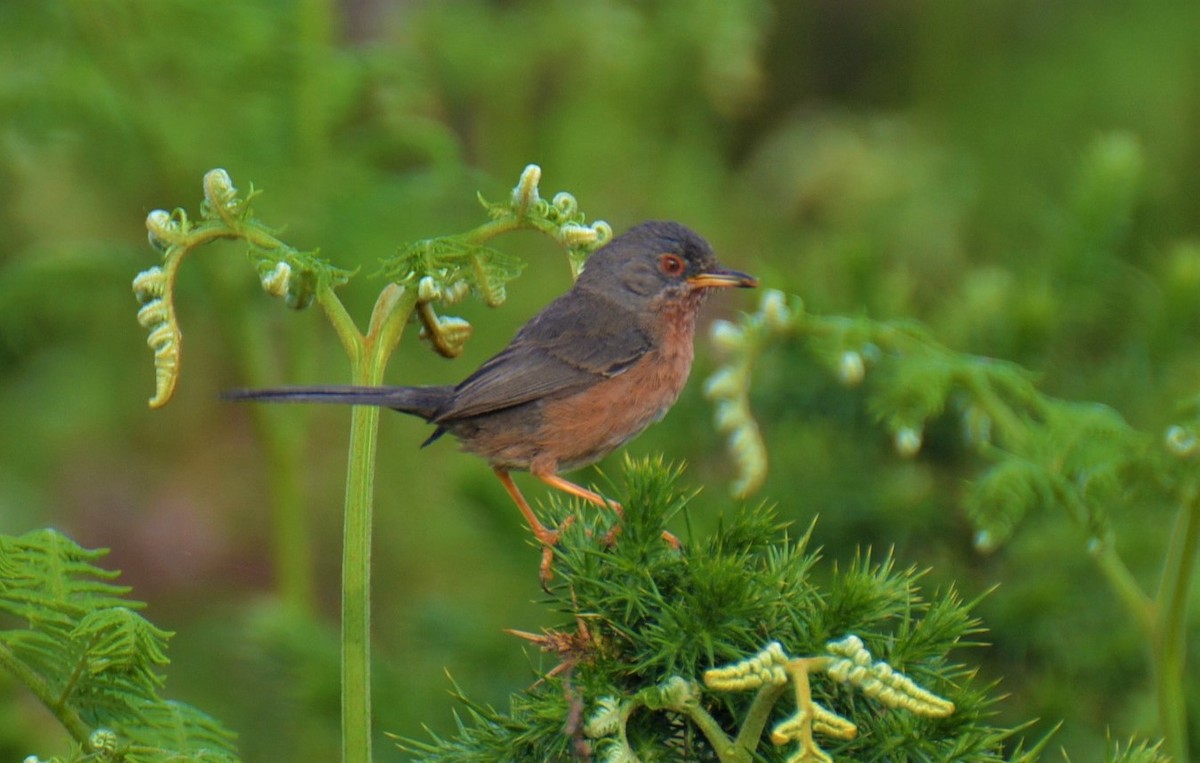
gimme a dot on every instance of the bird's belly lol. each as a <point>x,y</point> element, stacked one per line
<point>581,438</point>
<point>567,433</point>
<point>591,424</point>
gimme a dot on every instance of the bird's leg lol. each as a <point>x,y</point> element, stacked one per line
<point>555,481</point>
<point>579,491</point>
<point>544,535</point>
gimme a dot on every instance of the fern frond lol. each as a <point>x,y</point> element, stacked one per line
<point>54,576</point>
<point>85,652</point>
<point>120,641</point>
<point>450,261</point>
<point>174,726</point>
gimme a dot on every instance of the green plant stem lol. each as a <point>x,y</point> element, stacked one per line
<point>369,355</point>
<point>1125,586</point>
<point>1008,423</point>
<point>343,324</point>
<point>758,715</point>
<point>506,224</point>
<point>356,581</point>
<point>65,714</point>
<point>727,750</point>
<point>1168,645</point>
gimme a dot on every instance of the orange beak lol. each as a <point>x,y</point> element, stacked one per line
<point>719,278</point>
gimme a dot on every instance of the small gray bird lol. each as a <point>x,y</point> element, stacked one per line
<point>582,377</point>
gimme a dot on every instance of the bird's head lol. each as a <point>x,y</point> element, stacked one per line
<point>658,261</point>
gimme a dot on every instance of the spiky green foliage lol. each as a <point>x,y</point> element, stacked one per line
<point>641,616</point>
<point>75,639</point>
<point>1134,751</point>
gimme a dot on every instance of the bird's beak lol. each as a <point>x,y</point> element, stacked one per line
<point>720,277</point>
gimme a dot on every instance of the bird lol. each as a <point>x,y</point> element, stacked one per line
<point>585,375</point>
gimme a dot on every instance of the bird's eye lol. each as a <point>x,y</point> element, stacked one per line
<point>671,264</point>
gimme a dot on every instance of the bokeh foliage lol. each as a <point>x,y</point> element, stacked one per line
<point>1020,177</point>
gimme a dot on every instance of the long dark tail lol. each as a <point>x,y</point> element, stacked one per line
<point>419,401</point>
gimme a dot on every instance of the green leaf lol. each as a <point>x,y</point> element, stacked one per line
<point>52,579</point>
<point>173,731</point>
<point>121,641</point>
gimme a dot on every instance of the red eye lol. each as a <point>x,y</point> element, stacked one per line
<point>671,264</point>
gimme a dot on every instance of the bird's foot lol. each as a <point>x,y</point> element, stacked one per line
<point>548,539</point>
<point>610,538</point>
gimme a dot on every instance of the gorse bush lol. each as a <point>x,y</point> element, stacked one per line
<point>704,653</point>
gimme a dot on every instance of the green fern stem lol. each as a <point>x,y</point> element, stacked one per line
<point>356,581</point>
<point>756,720</point>
<point>68,690</point>
<point>727,750</point>
<point>54,701</point>
<point>1168,644</point>
<point>1010,424</point>
<point>505,224</point>
<point>369,355</point>
<point>1125,585</point>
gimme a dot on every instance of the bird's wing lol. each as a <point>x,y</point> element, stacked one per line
<point>575,342</point>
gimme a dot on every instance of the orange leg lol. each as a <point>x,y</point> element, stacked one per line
<point>544,535</point>
<point>548,537</point>
<point>554,481</point>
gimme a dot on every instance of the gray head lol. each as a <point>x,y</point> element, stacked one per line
<point>658,258</point>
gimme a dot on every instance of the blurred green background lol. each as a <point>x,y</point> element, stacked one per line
<point>1022,176</point>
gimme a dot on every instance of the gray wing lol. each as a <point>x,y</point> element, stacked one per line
<point>576,341</point>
